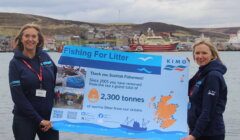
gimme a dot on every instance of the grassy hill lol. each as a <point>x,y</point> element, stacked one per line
<point>10,23</point>
<point>228,31</point>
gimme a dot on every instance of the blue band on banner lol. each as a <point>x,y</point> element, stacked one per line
<point>89,128</point>
<point>84,52</point>
<point>109,65</point>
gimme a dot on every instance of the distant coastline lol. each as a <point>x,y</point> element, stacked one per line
<point>64,32</point>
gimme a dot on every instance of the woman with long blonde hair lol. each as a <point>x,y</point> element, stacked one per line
<point>32,75</point>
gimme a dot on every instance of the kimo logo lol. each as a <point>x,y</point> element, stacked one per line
<point>176,64</point>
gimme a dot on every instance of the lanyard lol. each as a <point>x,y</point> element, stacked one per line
<point>40,76</point>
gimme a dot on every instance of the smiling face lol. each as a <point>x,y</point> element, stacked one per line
<point>202,54</point>
<point>30,39</point>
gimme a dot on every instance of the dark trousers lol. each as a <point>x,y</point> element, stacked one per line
<point>25,129</point>
<point>218,137</point>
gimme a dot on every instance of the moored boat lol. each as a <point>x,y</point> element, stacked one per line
<point>153,48</point>
<point>152,43</point>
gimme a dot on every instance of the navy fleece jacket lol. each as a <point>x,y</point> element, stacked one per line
<point>208,97</point>
<point>24,82</point>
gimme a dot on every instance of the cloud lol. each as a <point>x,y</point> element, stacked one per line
<point>188,13</point>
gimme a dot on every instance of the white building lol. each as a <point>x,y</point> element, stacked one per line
<point>235,38</point>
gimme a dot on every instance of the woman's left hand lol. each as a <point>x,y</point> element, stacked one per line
<point>45,125</point>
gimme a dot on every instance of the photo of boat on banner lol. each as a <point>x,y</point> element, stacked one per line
<point>69,86</point>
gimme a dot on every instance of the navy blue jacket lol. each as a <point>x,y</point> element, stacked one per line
<point>24,82</point>
<point>207,100</point>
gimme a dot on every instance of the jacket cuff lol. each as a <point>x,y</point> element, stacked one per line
<point>195,134</point>
<point>38,120</point>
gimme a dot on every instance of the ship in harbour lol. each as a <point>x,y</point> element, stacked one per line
<point>152,43</point>
<point>235,38</point>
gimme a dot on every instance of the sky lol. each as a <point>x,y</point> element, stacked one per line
<point>186,13</point>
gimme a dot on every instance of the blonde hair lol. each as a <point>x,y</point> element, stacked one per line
<point>18,38</point>
<point>208,43</point>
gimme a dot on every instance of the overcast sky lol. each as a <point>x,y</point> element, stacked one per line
<point>187,13</point>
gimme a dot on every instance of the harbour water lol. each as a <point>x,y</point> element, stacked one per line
<point>231,115</point>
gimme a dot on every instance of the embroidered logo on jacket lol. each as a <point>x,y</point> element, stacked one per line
<point>211,92</point>
<point>46,63</point>
<point>198,83</point>
<point>15,83</point>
